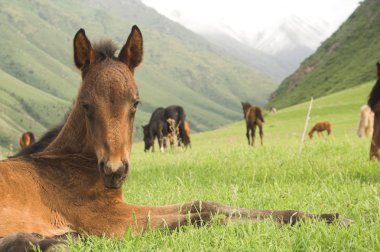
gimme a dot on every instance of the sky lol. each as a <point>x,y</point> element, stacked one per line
<point>252,16</point>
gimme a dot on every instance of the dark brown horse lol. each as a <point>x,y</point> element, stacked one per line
<point>319,127</point>
<point>26,139</point>
<point>253,117</point>
<point>75,184</point>
<point>374,103</point>
<point>158,127</point>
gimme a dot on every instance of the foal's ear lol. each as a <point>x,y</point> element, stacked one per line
<point>132,52</point>
<point>83,53</point>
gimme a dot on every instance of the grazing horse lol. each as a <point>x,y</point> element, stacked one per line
<point>26,139</point>
<point>374,104</point>
<point>253,117</point>
<point>75,184</point>
<point>156,128</point>
<point>365,127</point>
<point>319,127</point>
<point>159,127</point>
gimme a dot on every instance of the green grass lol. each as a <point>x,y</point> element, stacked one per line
<point>330,175</point>
<point>344,60</point>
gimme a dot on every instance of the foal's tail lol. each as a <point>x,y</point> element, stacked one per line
<point>259,114</point>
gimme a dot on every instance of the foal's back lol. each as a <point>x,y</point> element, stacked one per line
<point>254,115</point>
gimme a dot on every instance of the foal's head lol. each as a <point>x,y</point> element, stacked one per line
<point>374,103</point>
<point>108,98</point>
<point>245,106</point>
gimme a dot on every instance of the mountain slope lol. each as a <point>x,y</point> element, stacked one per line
<point>344,60</point>
<point>266,63</point>
<point>179,66</point>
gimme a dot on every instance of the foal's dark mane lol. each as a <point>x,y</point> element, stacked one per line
<point>104,49</point>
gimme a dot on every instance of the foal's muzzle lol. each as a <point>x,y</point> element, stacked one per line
<point>113,175</point>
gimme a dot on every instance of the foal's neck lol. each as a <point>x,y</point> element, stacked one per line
<point>72,137</point>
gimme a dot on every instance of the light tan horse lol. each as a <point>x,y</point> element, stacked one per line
<point>75,184</point>
<point>365,127</point>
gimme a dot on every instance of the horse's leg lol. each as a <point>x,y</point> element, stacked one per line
<point>247,135</point>
<point>261,133</point>
<point>173,216</point>
<point>154,137</point>
<point>30,242</point>
<point>160,138</point>
<point>253,133</point>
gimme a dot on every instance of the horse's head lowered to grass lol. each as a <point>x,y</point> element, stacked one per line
<point>107,99</point>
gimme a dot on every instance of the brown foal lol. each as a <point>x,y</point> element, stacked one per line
<point>74,185</point>
<point>253,118</point>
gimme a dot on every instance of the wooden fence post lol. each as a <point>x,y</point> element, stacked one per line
<point>306,125</point>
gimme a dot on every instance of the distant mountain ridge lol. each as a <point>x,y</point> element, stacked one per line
<point>277,49</point>
<point>344,60</point>
<point>180,67</point>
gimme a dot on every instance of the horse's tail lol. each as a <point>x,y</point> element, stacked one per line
<point>259,114</point>
<point>182,133</point>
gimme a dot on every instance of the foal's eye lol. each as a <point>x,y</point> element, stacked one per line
<point>135,105</point>
<point>86,107</point>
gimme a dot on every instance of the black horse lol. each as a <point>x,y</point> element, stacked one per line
<point>158,120</point>
<point>158,126</point>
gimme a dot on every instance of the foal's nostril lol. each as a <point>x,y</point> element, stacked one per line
<point>126,166</point>
<point>101,165</point>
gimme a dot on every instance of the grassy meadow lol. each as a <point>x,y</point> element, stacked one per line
<point>330,175</point>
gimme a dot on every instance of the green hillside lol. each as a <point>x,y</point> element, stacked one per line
<point>179,66</point>
<point>345,59</point>
<point>24,107</point>
<point>341,109</point>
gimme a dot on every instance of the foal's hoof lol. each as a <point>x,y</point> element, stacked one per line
<point>343,221</point>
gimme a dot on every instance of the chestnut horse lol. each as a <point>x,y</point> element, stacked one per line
<point>26,139</point>
<point>173,135</point>
<point>365,127</point>
<point>253,117</point>
<point>374,104</point>
<point>319,127</point>
<point>75,184</point>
